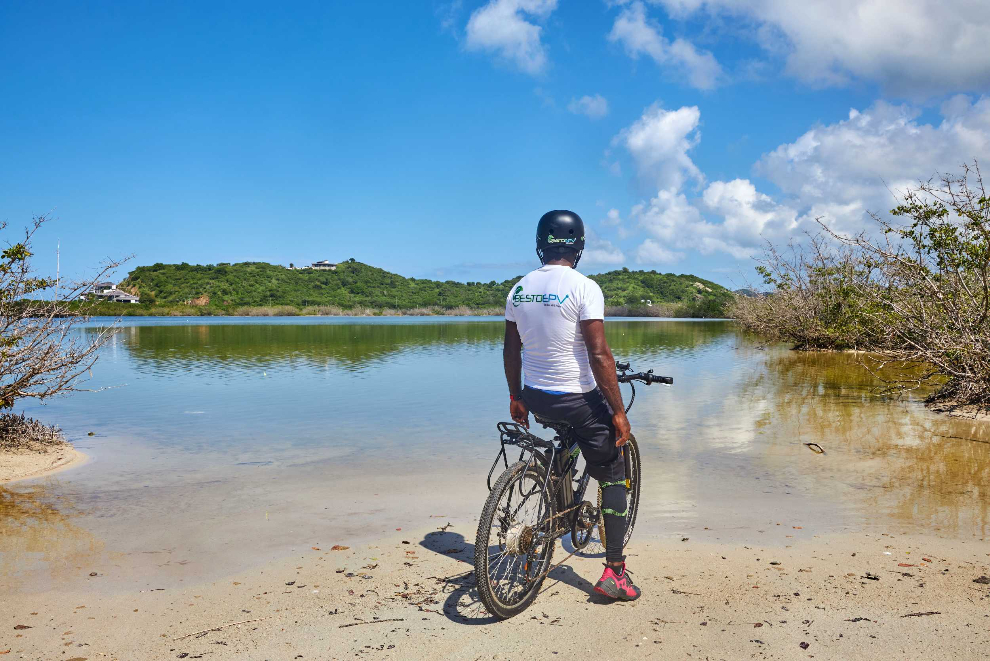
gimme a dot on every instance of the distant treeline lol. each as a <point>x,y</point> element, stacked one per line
<point>259,288</point>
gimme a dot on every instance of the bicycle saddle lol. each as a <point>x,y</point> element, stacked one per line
<point>556,425</point>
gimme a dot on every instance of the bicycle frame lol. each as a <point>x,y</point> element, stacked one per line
<point>556,466</point>
<point>549,455</point>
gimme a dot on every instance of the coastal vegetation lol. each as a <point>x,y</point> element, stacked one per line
<point>914,293</point>
<point>354,288</point>
<point>39,358</point>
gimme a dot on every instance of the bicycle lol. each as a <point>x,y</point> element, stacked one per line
<point>543,502</point>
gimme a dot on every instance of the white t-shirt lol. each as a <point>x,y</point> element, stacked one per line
<point>548,306</point>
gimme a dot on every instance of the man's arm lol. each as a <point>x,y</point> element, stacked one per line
<point>603,366</point>
<point>512,360</point>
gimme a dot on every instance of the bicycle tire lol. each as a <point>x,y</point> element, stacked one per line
<point>488,592</point>
<point>632,493</point>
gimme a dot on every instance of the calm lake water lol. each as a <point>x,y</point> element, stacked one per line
<point>221,443</point>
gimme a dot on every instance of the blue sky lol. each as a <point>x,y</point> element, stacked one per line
<point>427,138</point>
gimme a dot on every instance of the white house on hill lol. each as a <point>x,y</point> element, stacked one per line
<point>107,291</point>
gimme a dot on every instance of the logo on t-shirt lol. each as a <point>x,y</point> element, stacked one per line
<point>519,298</point>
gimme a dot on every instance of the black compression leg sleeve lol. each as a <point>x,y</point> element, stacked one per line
<point>614,514</point>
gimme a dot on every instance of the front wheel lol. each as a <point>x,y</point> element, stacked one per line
<point>633,479</point>
<point>515,542</point>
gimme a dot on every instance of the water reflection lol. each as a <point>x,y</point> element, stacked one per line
<point>903,461</point>
<point>37,528</point>
<point>217,346</point>
<point>220,423</point>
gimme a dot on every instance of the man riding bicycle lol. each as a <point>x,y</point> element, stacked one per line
<point>555,317</point>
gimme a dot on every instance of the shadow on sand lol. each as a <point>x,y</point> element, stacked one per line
<point>463,605</point>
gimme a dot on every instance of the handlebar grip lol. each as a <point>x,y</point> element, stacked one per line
<point>669,380</point>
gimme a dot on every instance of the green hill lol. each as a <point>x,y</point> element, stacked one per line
<point>682,295</point>
<point>356,285</point>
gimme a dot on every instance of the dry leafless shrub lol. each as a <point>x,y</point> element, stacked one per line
<point>815,299</point>
<point>18,432</point>
<point>40,355</point>
<point>933,307</point>
<point>916,295</point>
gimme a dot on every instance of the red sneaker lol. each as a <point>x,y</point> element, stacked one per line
<point>617,586</point>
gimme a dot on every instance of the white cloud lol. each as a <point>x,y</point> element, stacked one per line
<point>612,218</point>
<point>666,217</point>
<point>844,169</point>
<point>837,171</point>
<point>679,226</point>
<point>594,107</point>
<point>651,252</point>
<point>749,217</point>
<point>659,143</point>
<point>641,36</point>
<point>448,14</point>
<point>601,251</point>
<point>504,27</point>
<point>917,48</point>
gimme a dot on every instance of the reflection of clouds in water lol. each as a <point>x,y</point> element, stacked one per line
<point>37,529</point>
<point>687,429</point>
<point>888,460</point>
<point>706,408</point>
<point>725,444</point>
<point>721,447</point>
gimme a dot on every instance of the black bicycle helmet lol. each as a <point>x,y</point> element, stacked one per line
<point>558,231</point>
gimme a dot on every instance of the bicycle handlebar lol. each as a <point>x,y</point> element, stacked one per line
<point>647,377</point>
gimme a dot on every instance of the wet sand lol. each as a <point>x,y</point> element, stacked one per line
<point>23,465</point>
<point>834,596</point>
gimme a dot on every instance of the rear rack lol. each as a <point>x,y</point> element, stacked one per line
<point>512,433</point>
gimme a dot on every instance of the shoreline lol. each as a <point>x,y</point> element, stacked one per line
<point>283,312</point>
<point>17,466</point>
<point>411,594</point>
<point>975,412</point>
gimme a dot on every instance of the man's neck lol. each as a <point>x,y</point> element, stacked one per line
<point>559,262</point>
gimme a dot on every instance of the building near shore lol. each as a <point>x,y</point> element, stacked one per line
<point>108,292</point>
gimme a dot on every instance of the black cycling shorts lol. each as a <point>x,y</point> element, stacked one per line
<point>591,417</point>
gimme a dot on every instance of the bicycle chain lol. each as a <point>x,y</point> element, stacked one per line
<point>567,511</point>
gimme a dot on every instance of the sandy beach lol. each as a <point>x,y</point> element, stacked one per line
<point>40,462</point>
<point>411,596</point>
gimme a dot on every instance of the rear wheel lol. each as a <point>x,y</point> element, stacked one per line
<point>514,544</point>
<point>633,479</point>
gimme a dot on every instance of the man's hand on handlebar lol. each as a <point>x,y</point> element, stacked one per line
<point>519,412</point>
<point>622,428</point>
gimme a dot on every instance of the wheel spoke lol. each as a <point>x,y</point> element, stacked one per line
<point>520,528</point>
